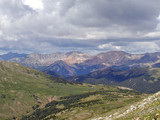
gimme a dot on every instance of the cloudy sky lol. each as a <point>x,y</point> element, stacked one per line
<point>90,26</point>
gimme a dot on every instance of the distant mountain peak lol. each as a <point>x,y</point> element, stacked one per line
<point>11,55</point>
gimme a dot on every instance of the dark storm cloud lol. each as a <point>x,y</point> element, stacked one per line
<point>89,25</point>
<point>132,14</point>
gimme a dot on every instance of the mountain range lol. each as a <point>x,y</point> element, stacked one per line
<point>78,63</point>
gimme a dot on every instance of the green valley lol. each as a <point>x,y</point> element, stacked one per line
<point>22,89</point>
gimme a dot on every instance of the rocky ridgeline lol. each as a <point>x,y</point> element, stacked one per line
<point>145,107</point>
<point>81,62</point>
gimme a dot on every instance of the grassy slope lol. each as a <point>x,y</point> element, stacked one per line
<point>23,89</point>
<point>147,109</point>
<point>86,106</point>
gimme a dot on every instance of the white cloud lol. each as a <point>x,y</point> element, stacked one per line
<point>144,46</point>
<point>109,46</point>
<point>11,38</point>
<point>158,17</point>
<point>153,34</point>
<point>133,47</point>
<point>35,4</point>
<point>1,33</point>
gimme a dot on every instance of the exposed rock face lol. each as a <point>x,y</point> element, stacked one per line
<point>40,60</point>
<point>76,57</point>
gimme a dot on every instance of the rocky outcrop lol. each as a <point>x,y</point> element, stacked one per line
<point>38,61</point>
<point>148,108</point>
